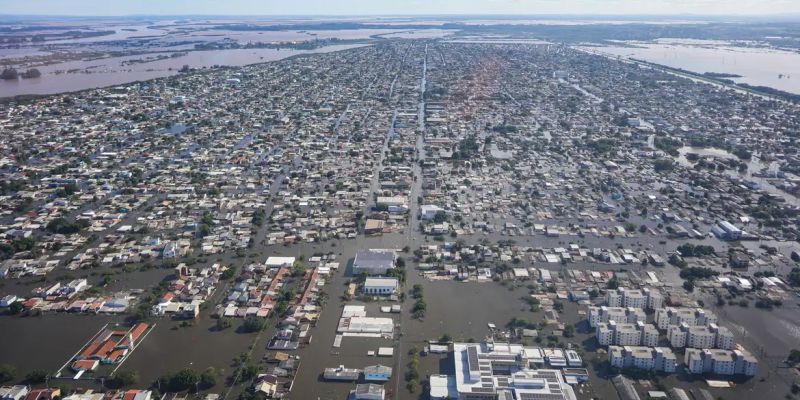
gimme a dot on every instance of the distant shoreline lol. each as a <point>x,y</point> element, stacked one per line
<point>26,98</point>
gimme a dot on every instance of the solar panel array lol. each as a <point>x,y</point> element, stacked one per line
<point>472,359</point>
<point>539,396</point>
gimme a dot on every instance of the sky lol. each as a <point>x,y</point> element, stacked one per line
<point>396,7</point>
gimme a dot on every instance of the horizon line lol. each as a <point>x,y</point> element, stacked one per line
<point>512,16</point>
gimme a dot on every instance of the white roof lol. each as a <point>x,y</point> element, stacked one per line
<point>280,261</point>
<point>385,351</point>
<point>371,282</point>
<point>443,386</point>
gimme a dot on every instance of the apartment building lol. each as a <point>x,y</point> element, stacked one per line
<point>660,359</point>
<point>620,315</point>
<point>644,299</point>
<point>700,337</point>
<point>626,334</point>
<point>666,317</point>
<point>720,362</point>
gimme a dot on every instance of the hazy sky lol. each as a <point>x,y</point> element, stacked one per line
<point>403,7</point>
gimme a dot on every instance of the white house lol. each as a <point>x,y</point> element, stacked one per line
<point>368,391</point>
<point>380,286</point>
<point>277,262</point>
<point>17,392</point>
<point>374,262</point>
<point>170,250</point>
<point>78,285</point>
<point>429,211</point>
<point>8,300</point>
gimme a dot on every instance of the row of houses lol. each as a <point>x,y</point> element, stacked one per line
<point>109,346</point>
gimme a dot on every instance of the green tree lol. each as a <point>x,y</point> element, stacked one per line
<point>416,291</point>
<point>16,307</point>
<point>223,323</point>
<point>122,379</point>
<point>184,379</point>
<point>208,378</point>
<point>794,356</point>
<point>569,330</point>
<point>36,376</point>
<point>612,283</point>
<point>248,372</point>
<point>228,274</point>
<point>413,385</point>
<point>663,165</point>
<point>253,324</point>
<point>418,311</point>
<point>7,373</point>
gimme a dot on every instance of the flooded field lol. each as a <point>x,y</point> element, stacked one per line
<point>46,342</point>
<point>80,75</point>
<point>420,34</point>
<point>198,347</point>
<point>757,66</point>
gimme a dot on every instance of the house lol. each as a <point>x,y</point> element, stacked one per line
<point>170,250</point>
<point>377,373</point>
<point>135,394</point>
<point>374,226</point>
<point>77,285</point>
<point>380,286</point>
<point>428,211</point>
<point>374,262</point>
<point>393,203</point>
<point>341,373</point>
<point>726,231</point>
<point>267,384</point>
<point>8,300</point>
<point>44,394</point>
<point>738,259</point>
<point>277,262</point>
<point>367,391</point>
<point>17,392</point>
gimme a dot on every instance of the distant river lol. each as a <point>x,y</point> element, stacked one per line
<point>118,70</point>
<point>757,66</point>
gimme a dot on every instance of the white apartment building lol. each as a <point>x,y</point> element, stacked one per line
<point>642,357</point>
<point>655,300</point>
<point>720,362</point>
<point>677,337</point>
<point>626,334</point>
<point>665,317</point>
<point>644,299</point>
<point>724,338</point>
<point>700,337</point>
<point>620,315</point>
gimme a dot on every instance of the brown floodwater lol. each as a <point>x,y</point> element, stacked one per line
<point>115,71</point>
